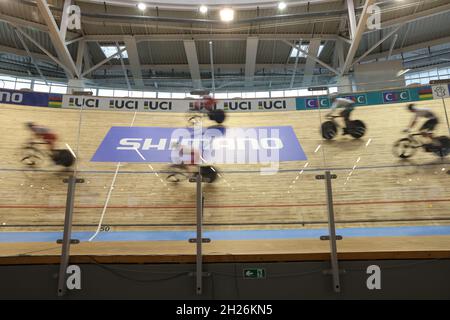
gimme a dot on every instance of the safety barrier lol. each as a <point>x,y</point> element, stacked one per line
<point>232,105</point>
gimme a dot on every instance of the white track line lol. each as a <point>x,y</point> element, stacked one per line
<point>71,151</point>
<point>106,204</point>
<point>109,193</point>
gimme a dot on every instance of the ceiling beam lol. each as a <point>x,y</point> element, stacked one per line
<point>80,54</point>
<point>87,59</point>
<point>64,19</point>
<point>357,37</point>
<point>413,47</point>
<point>250,59</point>
<point>22,41</point>
<point>37,44</point>
<point>313,50</point>
<point>207,67</point>
<point>351,18</point>
<point>191,54</point>
<point>55,36</point>
<point>312,57</point>
<point>376,45</point>
<point>414,17</point>
<point>133,60</point>
<point>391,48</point>
<point>125,73</point>
<point>211,61</point>
<point>210,37</point>
<point>103,62</point>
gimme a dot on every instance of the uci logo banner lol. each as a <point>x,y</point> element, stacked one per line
<point>215,145</point>
<point>396,96</point>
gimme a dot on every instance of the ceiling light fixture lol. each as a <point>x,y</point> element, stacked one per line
<point>203,9</point>
<point>282,5</point>
<point>227,14</point>
<point>142,6</point>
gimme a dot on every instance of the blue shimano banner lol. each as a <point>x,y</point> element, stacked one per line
<point>24,98</point>
<point>208,145</point>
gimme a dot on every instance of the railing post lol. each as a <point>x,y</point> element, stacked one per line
<point>199,240</point>
<point>66,241</point>
<point>331,231</point>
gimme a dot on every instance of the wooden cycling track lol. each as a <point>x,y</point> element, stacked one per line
<point>373,188</point>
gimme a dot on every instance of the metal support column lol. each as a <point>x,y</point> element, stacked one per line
<point>199,240</point>
<point>331,230</point>
<point>199,260</point>
<point>67,241</point>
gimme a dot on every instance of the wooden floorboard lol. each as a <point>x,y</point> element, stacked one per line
<point>266,250</point>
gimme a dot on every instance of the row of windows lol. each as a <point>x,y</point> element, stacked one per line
<point>424,77</point>
<point>8,82</point>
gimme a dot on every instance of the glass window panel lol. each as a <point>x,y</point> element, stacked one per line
<point>105,92</point>
<point>23,84</point>
<point>262,94</point>
<point>58,89</point>
<point>136,94</point>
<point>277,94</point>
<point>291,93</point>
<point>248,95</point>
<point>149,94</point>
<point>234,95</point>
<point>221,95</point>
<point>164,95</point>
<point>41,87</point>
<point>178,95</point>
<point>120,93</point>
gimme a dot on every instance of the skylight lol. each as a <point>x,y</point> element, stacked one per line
<point>304,47</point>
<point>110,50</point>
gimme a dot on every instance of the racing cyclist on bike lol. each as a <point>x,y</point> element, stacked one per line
<point>427,128</point>
<point>208,103</point>
<point>429,125</point>
<point>44,134</point>
<point>342,103</point>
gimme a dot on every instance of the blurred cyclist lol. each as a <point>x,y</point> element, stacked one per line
<point>428,126</point>
<point>43,133</point>
<point>346,104</point>
<point>208,103</point>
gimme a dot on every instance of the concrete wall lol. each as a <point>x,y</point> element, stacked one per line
<point>382,73</point>
<point>407,279</point>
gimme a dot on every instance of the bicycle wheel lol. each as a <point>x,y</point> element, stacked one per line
<point>209,172</point>
<point>217,115</point>
<point>357,129</point>
<point>176,177</point>
<point>404,148</point>
<point>63,157</point>
<point>32,157</point>
<point>444,149</point>
<point>329,130</point>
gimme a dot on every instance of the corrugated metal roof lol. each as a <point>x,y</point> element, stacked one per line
<point>232,52</point>
<point>270,51</point>
<point>161,52</point>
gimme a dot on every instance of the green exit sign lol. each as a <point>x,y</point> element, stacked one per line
<point>254,273</point>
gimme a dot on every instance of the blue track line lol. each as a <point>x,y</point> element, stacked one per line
<point>121,236</point>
